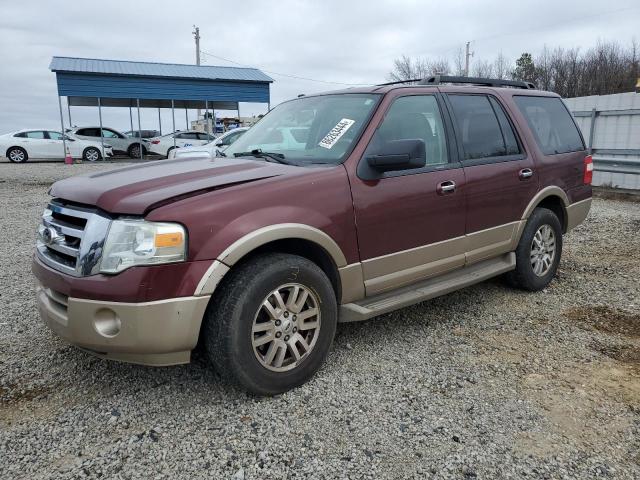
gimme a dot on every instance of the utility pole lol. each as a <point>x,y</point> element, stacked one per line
<point>468,54</point>
<point>196,35</point>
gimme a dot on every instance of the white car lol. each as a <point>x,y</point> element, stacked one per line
<point>220,143</point>
<point>19,146</point>
<point>119,141</point>
<point>164,144</point>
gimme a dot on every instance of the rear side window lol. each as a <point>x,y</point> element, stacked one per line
<point>551,124</point>
<point>483,126</point>
<point>37,135</point>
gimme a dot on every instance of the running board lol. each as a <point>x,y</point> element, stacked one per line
<point>430,288</point>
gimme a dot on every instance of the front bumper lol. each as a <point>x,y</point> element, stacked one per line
<point>158,333</point>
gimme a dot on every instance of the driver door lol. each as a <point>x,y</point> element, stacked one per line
<point>411,223</point>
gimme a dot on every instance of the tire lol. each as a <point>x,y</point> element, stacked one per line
<point>91,154</point>
<point>134,151</point>
<point>17,155</point>
<point>535,264</point>
<point>237,322</point>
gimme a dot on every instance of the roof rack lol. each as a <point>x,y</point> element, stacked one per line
<point>485,82</point>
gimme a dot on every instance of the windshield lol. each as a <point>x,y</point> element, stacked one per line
<point>310,129</point>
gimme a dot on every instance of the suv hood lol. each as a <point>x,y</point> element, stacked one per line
<point>138,188</point>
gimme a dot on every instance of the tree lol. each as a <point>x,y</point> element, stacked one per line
<point>525,69</point>
<point>407,68</point>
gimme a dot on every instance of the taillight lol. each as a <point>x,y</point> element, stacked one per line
<point>155,142</point>
<point>588,170</point>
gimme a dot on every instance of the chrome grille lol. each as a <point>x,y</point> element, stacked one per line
<point>70,239</point>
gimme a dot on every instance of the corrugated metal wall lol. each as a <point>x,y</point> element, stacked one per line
<point>115,86</point>
<point>611,126</point>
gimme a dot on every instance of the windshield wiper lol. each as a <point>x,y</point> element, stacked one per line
<point>220,153</point>
<point>269,156</point>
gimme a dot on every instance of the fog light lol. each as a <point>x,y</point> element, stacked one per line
<point>107,323</point>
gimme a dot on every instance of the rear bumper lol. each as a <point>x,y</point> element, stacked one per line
<point>577,213</point>
<point>156,333</point>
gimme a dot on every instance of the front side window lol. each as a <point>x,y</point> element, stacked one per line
<point>89,132</point>
<point>551,123</point>
<point>415,117</point>
<point>482,134</point>
<point>320,129</point>
<point>55,135</point>
<point>109,134</point>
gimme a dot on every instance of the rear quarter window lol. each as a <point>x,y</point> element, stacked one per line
<point>551,123</point>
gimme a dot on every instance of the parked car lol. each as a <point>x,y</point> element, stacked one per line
<point>22,145</point>
<point>164,144</point>
<point>145,133</point>
<point>122,144</point>
<point>218,144</point>
<point>399,194</point>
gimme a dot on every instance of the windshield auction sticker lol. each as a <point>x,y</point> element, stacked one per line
<point>336,133</point>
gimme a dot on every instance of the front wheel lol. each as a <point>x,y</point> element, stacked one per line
<point>538,253</point>
<point>270,325</point>
<point>91,154</point>
<point>134,151</point>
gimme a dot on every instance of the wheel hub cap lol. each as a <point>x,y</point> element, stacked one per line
<point>286,327</point>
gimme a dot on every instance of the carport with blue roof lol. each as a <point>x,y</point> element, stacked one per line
<point>117,83</point>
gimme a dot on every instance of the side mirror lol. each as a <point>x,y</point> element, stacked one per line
<point>398,155</point>
<point>219,144</point>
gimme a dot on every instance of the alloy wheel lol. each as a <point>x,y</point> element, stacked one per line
<point>286,327</point>
<point>543,250</point>
<point>16,155</point>
<point>92,155</point>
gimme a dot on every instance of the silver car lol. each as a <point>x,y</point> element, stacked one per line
<point>120,142</point>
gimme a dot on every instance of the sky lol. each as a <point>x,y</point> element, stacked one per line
<point>335,43</point>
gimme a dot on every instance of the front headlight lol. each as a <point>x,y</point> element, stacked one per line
<point>137,242</point>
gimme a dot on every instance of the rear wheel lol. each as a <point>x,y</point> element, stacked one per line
<point>538,253</point>
<point>91,154</point>
<point>17,155</point>
<point>169,151</point>
<point>270,326</point>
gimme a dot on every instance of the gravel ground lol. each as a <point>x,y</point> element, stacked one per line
<point>486,383</point>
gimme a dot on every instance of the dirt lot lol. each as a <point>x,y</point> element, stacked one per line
<point>487,382</point>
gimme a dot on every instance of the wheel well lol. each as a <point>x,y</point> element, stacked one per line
<point>6,154</point>
<point>307,249</point>
<point>556,205</point>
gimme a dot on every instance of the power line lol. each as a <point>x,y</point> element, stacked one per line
<point>288,75</point>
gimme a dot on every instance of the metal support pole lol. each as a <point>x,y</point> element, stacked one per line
<point>206,118</point>
<point>101,133</point>
<point>69,112</point>
<point>159,120</point>
<point>213,122</point>
<point>239,121</point>
<point>592,128</point>
<point>131,119</point>
<point>186,117</point>
<point>268,106</point>
<point>173,117</point>
<point>64,141</point>
<point>139,128</point>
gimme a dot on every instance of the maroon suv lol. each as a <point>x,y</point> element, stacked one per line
<point>333,208</point>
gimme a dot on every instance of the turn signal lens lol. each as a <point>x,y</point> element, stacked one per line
<point>173,239</point>
<point>588,170</point>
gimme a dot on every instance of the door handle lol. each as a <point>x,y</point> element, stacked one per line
<point>525,173</point>
<point>445,188</point>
